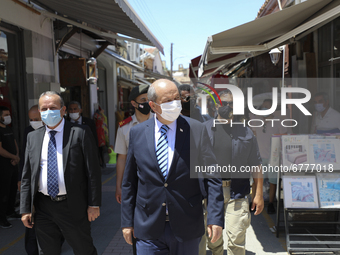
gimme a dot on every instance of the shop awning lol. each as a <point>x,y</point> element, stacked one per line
<point>133,66</point>
<point>122,60</point>
<point>263,34</point>
<point>214,65</point>
<point>127,83</point>
<point>157,75</point>
<point>113,15</point>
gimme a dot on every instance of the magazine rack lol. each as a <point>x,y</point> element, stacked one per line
<point>312,230</point>
<point>279,204</point>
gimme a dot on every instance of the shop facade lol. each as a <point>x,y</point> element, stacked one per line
<point>26,61</point>
<point>297,46</point>
<point>42,49</point>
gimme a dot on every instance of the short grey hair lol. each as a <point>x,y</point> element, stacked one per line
<point>51,93</point>
<point>75,102</point>
<point>152,95</point>
<point>323,94</point>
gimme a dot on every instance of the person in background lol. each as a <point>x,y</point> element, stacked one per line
<point>75,116</point>
<point>35,123</point>
<point>9,160</point>
<point>139,100</point>
<point>61,181</point>
<point>100,120</point>
<point>326,119</point>
<point>234,145</point>
<point>264,135</point>
<point>188,101</point>
<point>31,245</point>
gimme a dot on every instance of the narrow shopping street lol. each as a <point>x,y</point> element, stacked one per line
<point>109,240</point>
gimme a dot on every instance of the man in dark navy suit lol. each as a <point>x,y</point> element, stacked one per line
<point>161,203</point>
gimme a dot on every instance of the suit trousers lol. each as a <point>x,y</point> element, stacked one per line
<point>167,244</point>
<point>53,221</point>
<point>237,220</point>
<point>31,245</point>
<point>8,188</point>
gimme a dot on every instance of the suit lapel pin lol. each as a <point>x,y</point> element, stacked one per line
<point>181,130</point>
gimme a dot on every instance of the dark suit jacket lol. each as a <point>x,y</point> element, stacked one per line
<point>92,125</point>
<point>89,122</point>
<point>81,170</point>
<point>23,149</point>
<point>144,189</point>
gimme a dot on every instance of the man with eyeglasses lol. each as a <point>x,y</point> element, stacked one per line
<point>188,101</point>
<point>235,146</point>
<point>264,135</point>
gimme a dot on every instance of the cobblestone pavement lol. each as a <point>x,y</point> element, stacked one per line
<point>108,238</point>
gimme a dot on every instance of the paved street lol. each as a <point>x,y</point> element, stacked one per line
<point>108,238</point>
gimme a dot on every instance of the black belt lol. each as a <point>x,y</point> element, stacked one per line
<point>57,198</point>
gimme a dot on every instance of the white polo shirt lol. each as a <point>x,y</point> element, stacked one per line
<point>330,121</point>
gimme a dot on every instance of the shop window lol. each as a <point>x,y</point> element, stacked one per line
<point>337,86</point>
<point>325,44</point>
<point>12,89</point>
<point>336,45</point>
<point>329,61</point>
<point>73,82</point>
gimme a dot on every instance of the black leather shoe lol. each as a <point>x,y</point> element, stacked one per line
<point>5,224</point>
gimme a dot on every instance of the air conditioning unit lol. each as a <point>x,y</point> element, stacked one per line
<point>134,52</point>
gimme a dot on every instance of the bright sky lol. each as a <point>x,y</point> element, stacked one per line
<point>188,23</point>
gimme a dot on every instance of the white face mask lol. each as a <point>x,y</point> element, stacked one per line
<point>36,124</point>
<point>74,115</point>
<point>7,120</point>
<point>319,107</point>
<point>171,110</point>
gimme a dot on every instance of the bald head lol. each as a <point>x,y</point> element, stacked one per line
<point>160,92</point>
<point>161,87</point>
<point>34,114</point>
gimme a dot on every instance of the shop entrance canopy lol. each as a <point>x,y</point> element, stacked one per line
<point>263,34</point>
<point>113,15</point>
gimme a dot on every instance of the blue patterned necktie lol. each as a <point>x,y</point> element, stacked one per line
<point>52,167</point>
<point>162,151</point>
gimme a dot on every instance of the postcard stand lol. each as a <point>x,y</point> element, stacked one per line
<point>315,228</point>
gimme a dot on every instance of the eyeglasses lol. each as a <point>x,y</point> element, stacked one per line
<point>225,103</point>
<point>187,98</point>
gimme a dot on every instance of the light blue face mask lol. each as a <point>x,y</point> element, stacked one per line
<point>51,117</point>
<point>319,107</point>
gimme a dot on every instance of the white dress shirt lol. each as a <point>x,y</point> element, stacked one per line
<point>171,134</point>
<point>43,160</point>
